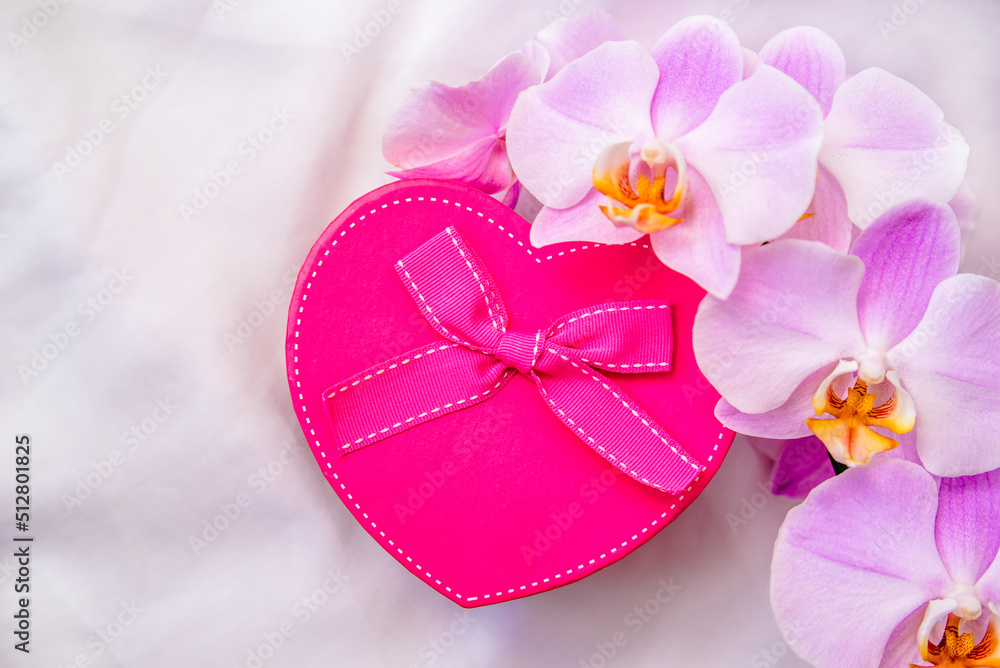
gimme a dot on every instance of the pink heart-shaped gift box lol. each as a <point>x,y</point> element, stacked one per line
<point>499,500</point>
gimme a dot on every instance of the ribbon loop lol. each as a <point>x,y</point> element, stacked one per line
<point>453,290</point>
<point>457,295</point>
<point>519,350</point>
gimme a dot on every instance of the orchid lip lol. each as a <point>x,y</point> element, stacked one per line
<point>957,649</point>
<point>643,205</point>
<point>855,410</point>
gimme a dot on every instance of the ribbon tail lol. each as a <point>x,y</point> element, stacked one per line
<point>408,390</point>
<point>610,422</point>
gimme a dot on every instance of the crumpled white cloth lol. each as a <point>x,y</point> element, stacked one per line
<point>164,168</point>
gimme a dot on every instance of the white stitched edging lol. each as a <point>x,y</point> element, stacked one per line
<point>609,310</point>
<point>394,365</point>
<point>482,287</point>
<point>424,304</point>
<point>381,533</point>
<point>503,379</point>
<point>631,410</point>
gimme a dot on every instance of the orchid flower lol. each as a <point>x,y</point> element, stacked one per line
<point>798,464</point>
<point>888,566</point>
<point>675,144</point>
<point>459,134</point>
<point>847,346</point>
<point>566,39</point>
<point>885,142</point>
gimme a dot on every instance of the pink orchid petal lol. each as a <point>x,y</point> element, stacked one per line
<point>854,560</point>
<point>567,39</point>
<point>949,366</point>
<point>482,165</point>
<point>907,252</point>
<point>906,450</point>
<point>793,312</point>
<point>699,59</point>
<point>751,61</point>
<point>812,58</point>
<point>454,133</point>
<point>512,195</point>
<point>803,464</point>
<point>989,584</point>
<point>828,223</point>
<point>580,222</point>
<point>967,530</point>
<point>887,143</point>
<point>557,130</point>
<point>787,421</point>
<point>966,208</point>
<point>901,648</point>
<point>539,55</point>
<point>758,152</point>
<point>527,206</point>
<point>697,247</point>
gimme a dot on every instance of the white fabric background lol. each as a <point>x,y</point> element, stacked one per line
<point>162,337</point>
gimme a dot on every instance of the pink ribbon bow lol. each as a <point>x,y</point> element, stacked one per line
<point>457,295</point>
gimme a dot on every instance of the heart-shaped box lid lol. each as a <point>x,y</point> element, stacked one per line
<point>498,500</point>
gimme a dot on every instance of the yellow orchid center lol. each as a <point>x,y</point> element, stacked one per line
<point>643,206</point>
<point>960,650</point>
<point>849,435</point>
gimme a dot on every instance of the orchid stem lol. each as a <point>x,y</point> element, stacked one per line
<point>838,468</point>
